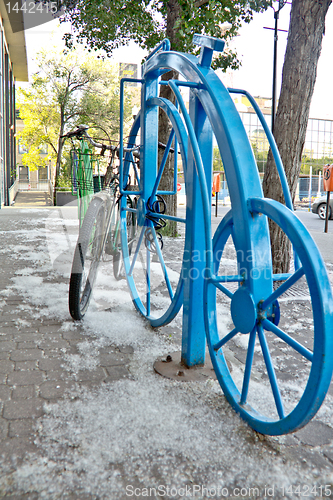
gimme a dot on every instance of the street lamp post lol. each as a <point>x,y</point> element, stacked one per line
<point>276,30</point>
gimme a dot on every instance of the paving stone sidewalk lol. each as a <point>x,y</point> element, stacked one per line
<point>32,199</point>
<point>34,348</point>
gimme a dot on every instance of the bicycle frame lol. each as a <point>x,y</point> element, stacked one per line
<point>83,176</point>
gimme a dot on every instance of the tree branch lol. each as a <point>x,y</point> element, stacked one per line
<point>199,3</point>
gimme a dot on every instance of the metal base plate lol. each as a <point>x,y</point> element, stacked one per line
<point>172,367</point>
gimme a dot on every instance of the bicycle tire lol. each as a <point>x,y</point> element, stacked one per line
<point>88,251</point>
<point>118,265</point>
<point>266,346</point>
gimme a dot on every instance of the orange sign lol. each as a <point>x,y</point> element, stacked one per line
<point>328,177</point>
<point>216,183</point>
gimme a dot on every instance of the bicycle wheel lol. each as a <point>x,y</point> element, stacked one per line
<point>88,251</point>
<point>278,349</point>
<point>152,255</point>
<point>118,264</point>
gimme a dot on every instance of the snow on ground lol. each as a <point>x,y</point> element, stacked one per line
<point>153,432</point>
<point>145,431</point>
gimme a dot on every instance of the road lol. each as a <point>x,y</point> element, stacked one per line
<point>310,220</point>
<point>316,228</point>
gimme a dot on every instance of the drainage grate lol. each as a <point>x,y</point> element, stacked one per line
<point>299,291</point>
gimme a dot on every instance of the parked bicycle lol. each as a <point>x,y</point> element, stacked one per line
<point>100,227</point>
<point>85,172</point>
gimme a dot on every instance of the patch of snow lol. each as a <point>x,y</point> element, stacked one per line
<point>147,430</point>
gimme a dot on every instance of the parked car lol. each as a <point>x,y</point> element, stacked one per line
<point>319,207</point>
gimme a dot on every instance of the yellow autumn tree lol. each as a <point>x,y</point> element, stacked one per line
<point>70,88</point>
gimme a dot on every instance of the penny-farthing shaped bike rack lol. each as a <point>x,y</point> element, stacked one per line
<point>254,386</point>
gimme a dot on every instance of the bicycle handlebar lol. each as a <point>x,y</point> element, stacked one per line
<point>82,130</point>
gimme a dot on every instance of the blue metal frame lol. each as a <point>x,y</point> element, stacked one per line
<point>254,306</point>
<point>123,173</point>
<point>272,143</point>
<point>142,211</point>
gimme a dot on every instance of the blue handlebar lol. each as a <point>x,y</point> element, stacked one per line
<point>164,45</point>
<point>271,140</point>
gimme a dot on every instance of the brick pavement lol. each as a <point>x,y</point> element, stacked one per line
<point>34,372</point>
<point>32,349</point>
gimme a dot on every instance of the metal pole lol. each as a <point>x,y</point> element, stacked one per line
<point>193,337</point>
<point>310,188</point>
<point>276,17</point>
<point>327,210</point>
<point>319,185</point>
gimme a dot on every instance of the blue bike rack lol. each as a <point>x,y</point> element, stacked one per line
<point>256,303</point>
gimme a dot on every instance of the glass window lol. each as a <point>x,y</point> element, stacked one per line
<point>322,125</point>
<point>23,173</point>
<point>42,173</point>
<point>22,148</point>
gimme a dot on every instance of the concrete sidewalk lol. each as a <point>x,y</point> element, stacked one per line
<point>32,199</point>
<point>84,416</point>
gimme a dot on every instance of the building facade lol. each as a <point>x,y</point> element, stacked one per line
<point>26,178</point>
<point>317,151</point>
<point>13,67</point>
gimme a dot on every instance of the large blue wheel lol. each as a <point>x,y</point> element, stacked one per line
<point>153,259</point>
<point>273,361</point>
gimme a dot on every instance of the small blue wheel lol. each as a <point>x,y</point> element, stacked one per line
<point>152,260</point>
<point>272,358</point>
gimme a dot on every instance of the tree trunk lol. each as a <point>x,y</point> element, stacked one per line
<point>164,128</point>
<point>59,155</point>
<point>167,180</point>
<point>306,30</point>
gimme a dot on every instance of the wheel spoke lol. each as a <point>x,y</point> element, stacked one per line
<point>271,372</point>
<point>235,278</point>
<point>135,170</point>
<point>174,218</point>
<point>163,162</point>
<point>135,256</point>
<point>224,289</point>
<point>217,280</point>
<point>283,288</point>
<point>129,162</point>
<point>162,263</point>
<point>281,276</point>
<point>148,282</point>
<point>248,366</point>
<point>268,325</point>
<point>225,339</point>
